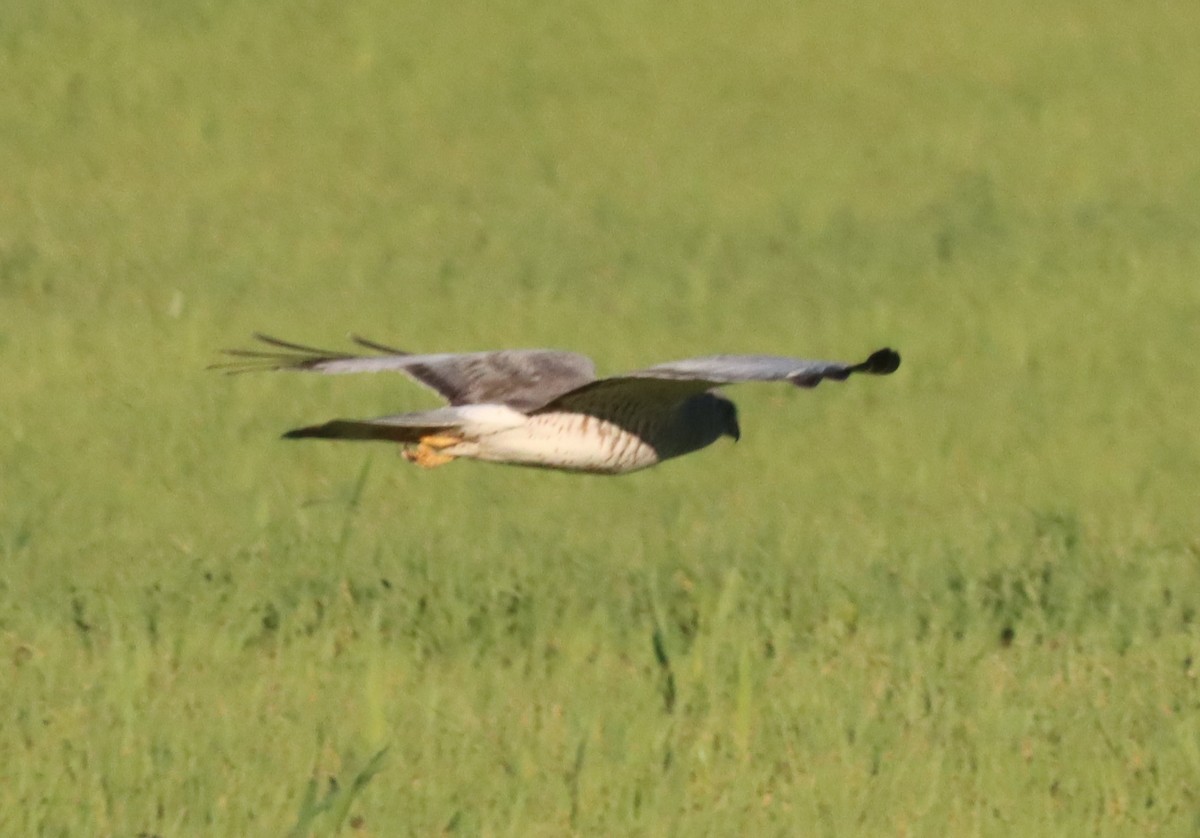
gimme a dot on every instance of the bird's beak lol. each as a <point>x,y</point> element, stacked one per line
<point>734,431</point>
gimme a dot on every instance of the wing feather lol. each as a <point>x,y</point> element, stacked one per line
<point>680,379</point>
<point>523,379</point>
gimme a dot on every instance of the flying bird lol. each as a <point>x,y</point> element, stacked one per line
<point>546,408</point>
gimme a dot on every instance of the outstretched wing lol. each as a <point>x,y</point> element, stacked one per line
<point>679,379</point>
<point>523,379</point>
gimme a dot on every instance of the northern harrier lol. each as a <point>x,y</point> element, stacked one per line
<point>544,408</point>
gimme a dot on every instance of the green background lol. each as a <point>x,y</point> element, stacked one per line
<point>960,600</point>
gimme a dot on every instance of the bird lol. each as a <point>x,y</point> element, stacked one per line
<point>546,408</point>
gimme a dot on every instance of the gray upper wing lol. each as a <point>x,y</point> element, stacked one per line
<point>679,379</point>
<point>732,369</point>
<point>523,379</point>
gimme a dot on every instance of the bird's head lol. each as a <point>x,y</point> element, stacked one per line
<point>729,417</point>
<point>701,421</point>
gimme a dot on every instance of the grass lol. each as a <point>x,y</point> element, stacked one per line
<point>961,600</point>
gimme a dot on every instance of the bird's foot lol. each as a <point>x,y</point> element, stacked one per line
<point>428,453</point>
<point>426,457</point>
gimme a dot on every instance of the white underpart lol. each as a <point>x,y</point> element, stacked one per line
<point>482,420</point>
<point>570,441</point>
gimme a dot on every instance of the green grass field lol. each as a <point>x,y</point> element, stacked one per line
<point>963,600</point>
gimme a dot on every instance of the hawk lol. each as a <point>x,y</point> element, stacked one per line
<point>547,409</point>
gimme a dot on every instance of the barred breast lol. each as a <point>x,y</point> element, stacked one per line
<point>577,442</point>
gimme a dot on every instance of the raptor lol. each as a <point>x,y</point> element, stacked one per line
<point>546,408</point>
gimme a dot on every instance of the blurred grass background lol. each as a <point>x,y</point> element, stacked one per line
<point>961,600</point>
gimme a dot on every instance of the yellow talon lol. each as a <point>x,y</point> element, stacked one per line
<point>427,454</point>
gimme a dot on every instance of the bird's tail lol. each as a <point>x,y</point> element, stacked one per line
<point>402,428</point>
<point>442,424</point>
<point>369,430</point>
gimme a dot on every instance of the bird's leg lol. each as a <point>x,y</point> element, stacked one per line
<point>428,454</point>
<point>426,457</point>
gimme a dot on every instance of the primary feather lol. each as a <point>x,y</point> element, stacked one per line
<point>519,378</point>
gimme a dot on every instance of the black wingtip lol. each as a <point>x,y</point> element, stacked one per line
<point>881,362</point>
